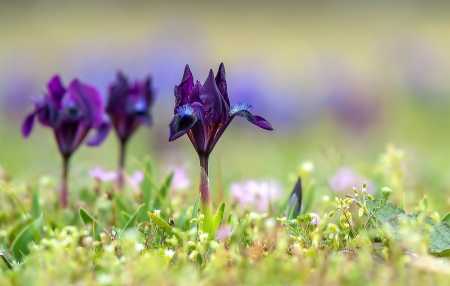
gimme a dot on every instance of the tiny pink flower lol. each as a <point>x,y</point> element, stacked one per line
<point>102,176</point>
<point>180,179</point>
<point>345,179</point>
<point>315,219</point>
<point>258,195</point>
<point>223,233</point>
<point>135,180</point>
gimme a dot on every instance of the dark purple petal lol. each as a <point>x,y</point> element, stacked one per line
<point>246,114</point>
<point>194,97</point>
<point>212,101</point>
<point>89,101</point>
<point>56,90</point>
<point>221,82</point>
<point>255,119</point>
<point>148,92</point>
<point>183,90</point>
<point>100,135</point>
<point>117,95</point>
<point>48,114</point>
<point>28,123</point>
<point>261,123</point>
<point>145,119</point>
<point>180,125</point>
<point>295,199</point>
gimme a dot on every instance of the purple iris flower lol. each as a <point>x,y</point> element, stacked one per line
<point>71,112</point>
<point>129,107</point>
<point>203,112</point>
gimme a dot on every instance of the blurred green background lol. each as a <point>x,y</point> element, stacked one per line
<point>337,80</point>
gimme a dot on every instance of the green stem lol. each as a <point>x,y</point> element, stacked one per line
<point>205,195</point>
<point>64,199</point>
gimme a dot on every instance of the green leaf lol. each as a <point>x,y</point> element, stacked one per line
<point>238,231</point>
<point>423,205</point>
<point>217,220</point>
<point>194,215</point>
<point>388,211</point>
<point>397,222</point>
<point>30,233</point>
<point>132,219</point>
<point>440,237</point>
<point>6,260</point>
<point>89,221</point>
<point>162,193</point>
<point>291,211</point>
<point>35,203</point>
<point>181,221</point>
<point>446,218</point>
<point>126,216</point>
<point>147,187</point>
<point>164,226</point>
<point>308,197</point>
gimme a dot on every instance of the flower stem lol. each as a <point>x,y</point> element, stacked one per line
<point>64,188</point>
<point>120,172</point>
<point>205,194</point>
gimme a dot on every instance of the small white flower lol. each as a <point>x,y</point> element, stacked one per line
<point>139,247</point>
<point>168,253</point>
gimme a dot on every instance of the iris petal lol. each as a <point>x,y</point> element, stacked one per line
<point>180,125</point>
<point>212,100</point>
<point>56,90</point>
<point>221,82</point>
<point>28,124</point>
<point>89,101</point>
<point>183,90</point>
<point>100,135</point>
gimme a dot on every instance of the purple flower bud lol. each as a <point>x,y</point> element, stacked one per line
<point>129,105</point>
<point>71,112</point>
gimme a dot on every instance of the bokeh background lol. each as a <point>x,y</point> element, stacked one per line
<point>338,80</point>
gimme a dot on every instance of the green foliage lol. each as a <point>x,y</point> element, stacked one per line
<point>440,238</point>
<point>31,233</point>
<point>193,221</point>
<point>388,211</point>
<point>91,223</point>
<point>132,219</point>
<point>308,197</point>
<point>164,226</point>
<point>217,220</point>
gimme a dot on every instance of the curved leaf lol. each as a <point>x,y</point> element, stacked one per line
<point>89,221</point>
<point>132,219</point>
<point>164,226</point>
<point>30,233</point>
<point>194,215</point>
<point>217,220</point>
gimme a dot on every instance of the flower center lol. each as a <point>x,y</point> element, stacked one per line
<point>239,106</point>
<point>185,110</point>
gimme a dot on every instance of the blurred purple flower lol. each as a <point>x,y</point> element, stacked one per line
<point>102,176</point>
<point>345,179</point>
<point>71,112</point>
<point>258,195</point>
<point>129,105</point>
